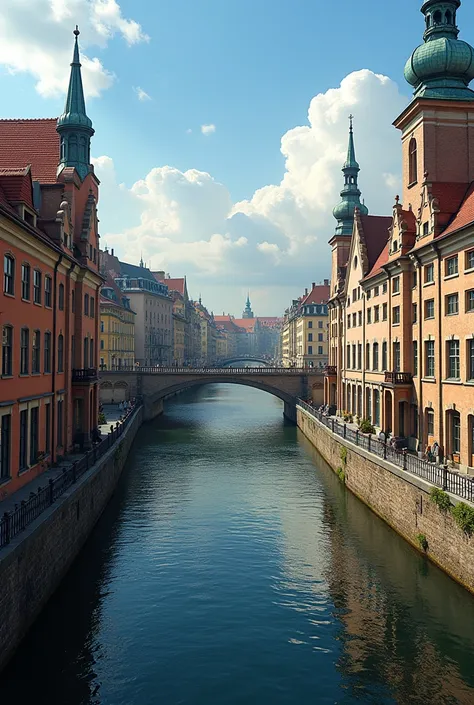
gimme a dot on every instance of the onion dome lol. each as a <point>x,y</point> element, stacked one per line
<point>443,66</point>
<point>350,194</point>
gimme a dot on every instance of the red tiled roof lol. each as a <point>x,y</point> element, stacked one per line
<point>175,284</point>
<point>375,232</point>
<point>465,214</point>
<point>248,324</point>
<point>379,262</point>
<point>319,294</point>
<point>34,142</point>
<point>16,185</point>
<point>270,321</point>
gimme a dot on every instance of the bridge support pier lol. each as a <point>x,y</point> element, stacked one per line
<point>289,411</point>
<point>152,410</point>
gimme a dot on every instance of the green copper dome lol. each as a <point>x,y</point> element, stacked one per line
<point>350,194</point>
<point>443,66</point>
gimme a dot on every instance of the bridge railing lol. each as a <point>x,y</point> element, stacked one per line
<point>13,523</point>
<point>230,371</point>
<point>432,472</point>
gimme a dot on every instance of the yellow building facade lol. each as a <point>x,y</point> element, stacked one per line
<point>305,331</point>
<point>117,329</point>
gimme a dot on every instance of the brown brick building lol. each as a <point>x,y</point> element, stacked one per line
<point>402,290</point>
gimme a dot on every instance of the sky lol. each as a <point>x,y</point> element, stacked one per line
<point>221,125</point>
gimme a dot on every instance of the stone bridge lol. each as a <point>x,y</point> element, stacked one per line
<point>245,358</point>
<point>154,384</point>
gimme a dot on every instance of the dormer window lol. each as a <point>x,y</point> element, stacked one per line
<point>395,245</point>
<point>413,162</point>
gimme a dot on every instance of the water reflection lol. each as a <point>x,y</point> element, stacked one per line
<point>232,567</point>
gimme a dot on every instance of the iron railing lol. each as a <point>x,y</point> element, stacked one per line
<point>398,378</point>
<point>223,370</point>
<point>88,374</point>
<point>460,485</point>
<point>12,523</point>
<point>330,370</point>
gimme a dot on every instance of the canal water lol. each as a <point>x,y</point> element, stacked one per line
<point>232,568</point>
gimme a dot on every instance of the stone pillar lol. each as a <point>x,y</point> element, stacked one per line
<point>289,411</point>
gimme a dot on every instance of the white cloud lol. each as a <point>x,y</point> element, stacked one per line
<point>278,238</point>
<point>188,131</point>
<point>141,94</point>
<point>208,129</point>
<point>42,45</point>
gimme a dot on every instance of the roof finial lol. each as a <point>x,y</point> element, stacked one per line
<point>351,117</point>
<point>76,32</point>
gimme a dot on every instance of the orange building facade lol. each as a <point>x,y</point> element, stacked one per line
<point>51,289</point>
<point>402,289</point>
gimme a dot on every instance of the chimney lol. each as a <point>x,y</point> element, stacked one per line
<point>112,251</point>
<point>326,282</point>
<point>306,291</point>
<point>313,285</point>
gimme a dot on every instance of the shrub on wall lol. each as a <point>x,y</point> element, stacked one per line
<point>422,541</point>
<point>341,474</point>
<point>366,426</point>
<point>343,454</point>
<point>463,515</point>
<point>440,498</point>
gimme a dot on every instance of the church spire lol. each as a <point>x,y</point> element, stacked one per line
<point>248,313</point>
<point>74,126</point>
<point>350,194</point>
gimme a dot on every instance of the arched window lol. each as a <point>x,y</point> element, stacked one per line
<point>61,297</point>
<point>437,17</point>
<point>85,361</point>
<point>428,21</point>
<point>24,351</point>
<point>63,149</point>
<point>9,275</point>
<point>60,353</point>
<point>413,162</point>
<point>86,304</point>
<point>448,17</point>
<point>83,149</point>
<point>7,351</point>
<point>73,148</point>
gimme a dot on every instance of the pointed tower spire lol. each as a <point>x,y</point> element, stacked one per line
<point>350,194</point>
<point>74,126</point>
<point>248,313</point>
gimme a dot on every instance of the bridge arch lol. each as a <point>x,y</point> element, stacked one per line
<point>244,358</point>
<point>189,384</point>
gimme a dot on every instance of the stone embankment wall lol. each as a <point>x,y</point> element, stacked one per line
<point>33,564</point>
<point>399,498</point>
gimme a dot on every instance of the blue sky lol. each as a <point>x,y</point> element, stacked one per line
<point>250,68</point>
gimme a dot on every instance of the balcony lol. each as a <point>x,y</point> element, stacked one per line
<point>330,371</point>
<point>397,378</point>
<point>84,376</point>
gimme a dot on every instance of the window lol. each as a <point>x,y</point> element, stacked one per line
<point>429,308</point>
<point>320,337</point>
<point>396,357</point>
<point>429,358</point>
<point>384,312</point>
<point>7,351</point>
<point>34,432</point>
<point>348,356</point>
<point>376,407</point>
<point>375,356</point>
<point>369,315</point>
<point>456,432</point>
<point>454,368</point>
<point>101,344</point>
<point>73,301</point>
<point>452,304</point>
<point>86,304</point>
<point>9,275</point>
<point>359,356</point>
<point>415,312</point>
<point>47,428</point>
<point>470,359</point>
<point>369,294</point>
<point>92,307</point>
<point>35,363</point>
<point>384,356</point>
<point>86,353</point>
<point>37,286</point>
<point>25,281</point>
<point>59,442</point>
<point>23,439</point>
<point>91,353</point>
<point>429,273</point>
<point>412,162</point>
<point>470,259</point>
<point>102,326</point>
<point>367,356</point>
<point>360,318</point>
<point>470,301</point>
<point>5,446</point>
<point>396,315</point>
<point>310,324</point>
<point>354,320</point>
<point>320,324</point>
<point>415,357</point>
<point>354,294</point>
<point>384,288</point>
<point>414,280</point>
<point>396,285</point>
<point>354,357</point>
<point>24,351</point>
<point>376,291</point>
<point>61,297</point>
<point>47,352</point>
<point>60,353</point>
<point>320,350</point>
<point>426,229</point>
<point>368,403</point>
<point>376,314</point>
<point>451,266</point>
<point>47,291</point>
<point>310,349</point>
<point>310,337</point>
<point>430,422</point>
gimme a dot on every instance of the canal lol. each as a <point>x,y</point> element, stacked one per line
<point>233,568</point>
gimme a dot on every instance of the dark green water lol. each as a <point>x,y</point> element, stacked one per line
<point>232,568</point>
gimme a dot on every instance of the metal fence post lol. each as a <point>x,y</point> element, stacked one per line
<point>357,437</point>
<point>74,473</point>
<point>51,491</point>
<point>6,521</point>
<point>345,430</point>
<point>404,459</point>
<point>445,477</point>
<point>385,450</point>
<point>370,436</point>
